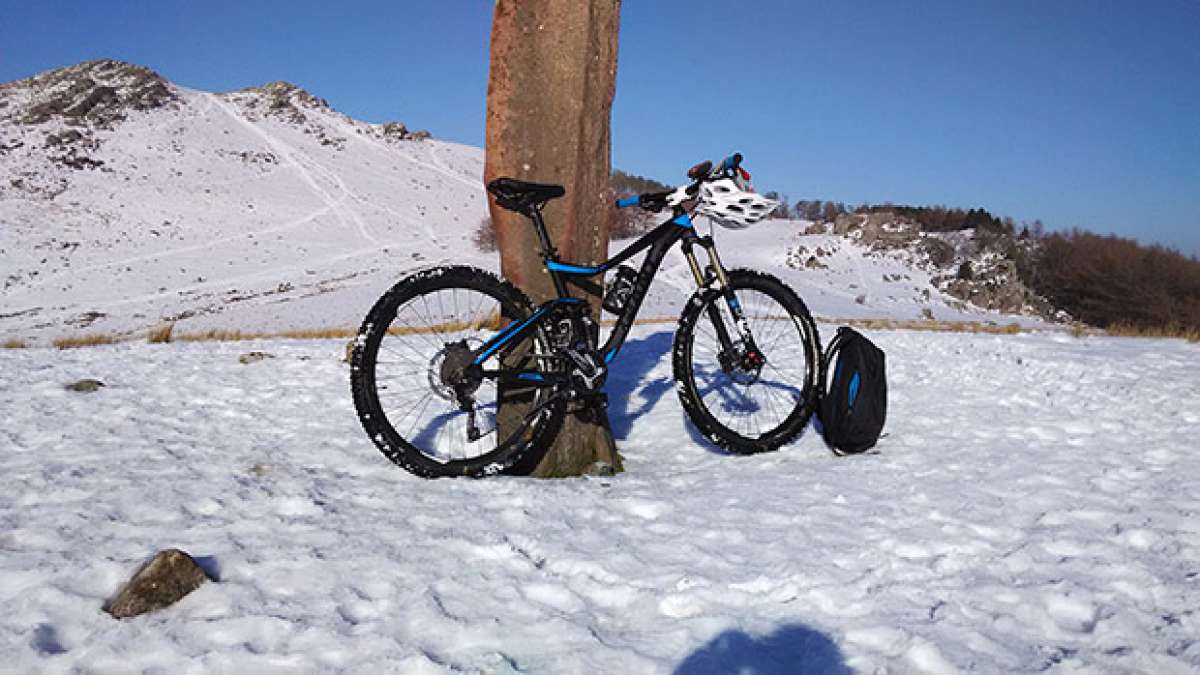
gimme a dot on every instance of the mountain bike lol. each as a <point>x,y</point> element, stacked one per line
<point>456,373</point>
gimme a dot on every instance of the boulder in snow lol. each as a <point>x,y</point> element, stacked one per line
<point>85,386</point>
<point>164,580</point>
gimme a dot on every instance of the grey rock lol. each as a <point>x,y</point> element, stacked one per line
<point>85,386</point>
<point>601,469</point>
<point>164,580</point>
<point>848,222</point>
<point>252,357</point>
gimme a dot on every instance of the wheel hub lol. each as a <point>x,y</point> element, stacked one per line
<point>452,376</point>
<point>741,364</point>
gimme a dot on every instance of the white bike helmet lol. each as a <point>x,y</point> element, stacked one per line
<point>732,204</point>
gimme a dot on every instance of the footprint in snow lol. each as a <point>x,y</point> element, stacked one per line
<point>680,606</point>
<point>647,510</point>
<point>1072,614</point>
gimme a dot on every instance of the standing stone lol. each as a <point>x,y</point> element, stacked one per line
<point>553,75</point>
<point>163,581</point>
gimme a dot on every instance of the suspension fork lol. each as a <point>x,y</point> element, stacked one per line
<point>722,281</point>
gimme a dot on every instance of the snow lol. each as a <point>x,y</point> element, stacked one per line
<point>1032,507</point>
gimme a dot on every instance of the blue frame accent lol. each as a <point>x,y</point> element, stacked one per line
<point>683,220</point>
<point>555,266</point>
<point>499,339</point>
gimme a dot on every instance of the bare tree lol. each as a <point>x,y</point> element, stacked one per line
<point>553,75</point>
<point>829,213</point>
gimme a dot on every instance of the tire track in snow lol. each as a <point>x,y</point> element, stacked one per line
<point>290,154</point>
<point>439,164</point>
<point>392,150</point>
<point>332,205</point>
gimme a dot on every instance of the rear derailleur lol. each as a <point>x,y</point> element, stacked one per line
<point>454,377</point>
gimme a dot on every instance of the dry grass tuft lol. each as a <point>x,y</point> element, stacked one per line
<point>14,343</point>
<point>934,325</point>
<point>220,335</point>
<point>86,341</point>
<point>162,334</point>
<point>318,333</point>
<point>490,322</point>
<point>1171,330</point>
<point>216,335</point>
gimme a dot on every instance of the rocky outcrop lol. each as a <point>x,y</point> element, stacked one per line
<point>283,100</point>
<point>94,93</point>
<point>879,230</point>
<point>76,102</point>
<point>395,131</point>
<point>975,268</point>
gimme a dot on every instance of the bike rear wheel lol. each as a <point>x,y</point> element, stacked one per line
<point>742,401</point>
<point>412,385</point>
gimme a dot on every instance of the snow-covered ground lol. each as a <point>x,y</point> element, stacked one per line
<point>1034,506</point>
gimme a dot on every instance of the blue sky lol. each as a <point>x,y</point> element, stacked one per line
<point>1078,113</point>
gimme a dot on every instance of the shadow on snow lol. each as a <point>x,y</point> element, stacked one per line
<point>790,649</point>
<point>634,364</point>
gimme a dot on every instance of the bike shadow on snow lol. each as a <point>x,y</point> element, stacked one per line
<point>793,648</point>
<point>637,360</point>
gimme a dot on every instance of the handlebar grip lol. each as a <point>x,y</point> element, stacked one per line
<point>627,201</point>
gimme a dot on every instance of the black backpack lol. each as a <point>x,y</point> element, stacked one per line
<point>854,406</point>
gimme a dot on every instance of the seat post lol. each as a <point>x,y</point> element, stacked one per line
<point>535,214</point>
<point>548,252</point>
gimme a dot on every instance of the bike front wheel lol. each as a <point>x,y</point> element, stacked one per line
<point>417,393</point>
<point>755,395</point>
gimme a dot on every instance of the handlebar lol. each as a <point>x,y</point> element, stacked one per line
<point>655,201</point>
<point>651,201</point>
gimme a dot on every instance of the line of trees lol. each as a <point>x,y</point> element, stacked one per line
<point>815,210</point>
<point>1109,281</point>
<point>943,219</point>
<point>624,184</point>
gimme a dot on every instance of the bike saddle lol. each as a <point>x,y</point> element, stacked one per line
<point>521,196</point>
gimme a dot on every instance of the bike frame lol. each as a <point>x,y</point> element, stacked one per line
<point>679,228</point>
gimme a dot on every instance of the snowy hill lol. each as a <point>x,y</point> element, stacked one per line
<point>127,201</point>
